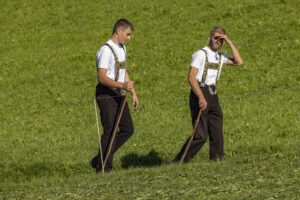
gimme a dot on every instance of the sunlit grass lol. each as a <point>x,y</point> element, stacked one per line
<point>48,78</point>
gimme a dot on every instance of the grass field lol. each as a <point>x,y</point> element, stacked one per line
<point>48,76</point>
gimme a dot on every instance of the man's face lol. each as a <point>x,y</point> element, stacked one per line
<point>124,35</point>
<point>215,42</point>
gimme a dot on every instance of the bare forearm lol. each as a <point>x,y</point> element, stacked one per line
<point>111,83</point>
<point>195,87</point>
<point>104,80</point>
<point>127,78</point>
<point>237,59</point>
<point>133,92</point>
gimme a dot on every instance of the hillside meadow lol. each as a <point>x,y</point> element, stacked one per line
<point>48,130</point>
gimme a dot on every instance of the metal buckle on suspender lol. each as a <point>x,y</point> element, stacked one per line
<point>202,84</point>
<point>211,90</point>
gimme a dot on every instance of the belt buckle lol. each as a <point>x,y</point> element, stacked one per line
<point>122,92</point>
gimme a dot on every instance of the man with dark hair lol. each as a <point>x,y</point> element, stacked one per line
<point>122,23</point>
<point>204,72</point>
<point>113,79</point>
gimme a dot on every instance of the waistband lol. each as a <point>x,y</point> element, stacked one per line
<point>203,85</point>
<point>102,89</point>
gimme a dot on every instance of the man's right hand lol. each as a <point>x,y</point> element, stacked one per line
<point>128,85</point>
<point>202,103</point>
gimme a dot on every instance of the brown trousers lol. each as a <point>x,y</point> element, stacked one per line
<point>109,104</point>
<point>210,125</point>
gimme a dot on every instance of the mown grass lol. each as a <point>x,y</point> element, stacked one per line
<point>48,76</point>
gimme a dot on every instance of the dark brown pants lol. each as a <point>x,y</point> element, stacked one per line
<point>210,125</point>
<point>110,104</point>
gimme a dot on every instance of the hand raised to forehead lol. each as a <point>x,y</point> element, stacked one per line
<point>220,37</point>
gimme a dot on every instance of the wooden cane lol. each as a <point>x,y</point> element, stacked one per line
<point>115,131</point>
<point>191,138</point>
<point>97,122</point>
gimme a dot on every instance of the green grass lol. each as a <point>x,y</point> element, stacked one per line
<point>48,77</point>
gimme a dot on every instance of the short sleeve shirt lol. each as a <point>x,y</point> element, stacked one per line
<point>198,61</point>
<point>106,60</point>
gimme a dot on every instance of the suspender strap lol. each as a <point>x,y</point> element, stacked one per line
<point>119,65</point>
<point>113,52</point>
<point>219,67</point>
<point>211,66</point>
<point>116,60</point>
<point>205,68</point>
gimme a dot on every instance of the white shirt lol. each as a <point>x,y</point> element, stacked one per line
<point>106,60</point>
<point>198,61</point>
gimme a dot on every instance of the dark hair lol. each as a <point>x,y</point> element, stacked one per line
<point>217,29</point>
<point>122,23</point>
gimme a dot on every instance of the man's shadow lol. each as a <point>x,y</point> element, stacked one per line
<point>133,160</point>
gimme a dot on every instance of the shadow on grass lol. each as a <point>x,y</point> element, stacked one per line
<point>149,160</point>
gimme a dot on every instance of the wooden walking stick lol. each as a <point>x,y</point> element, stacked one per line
<point>114,132</point>
<point>100,148</point>
<point>191,138</point>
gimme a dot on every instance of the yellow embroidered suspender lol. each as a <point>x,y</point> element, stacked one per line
<point>119,65</point>
<point>205,69</point>
<point>208,65</point>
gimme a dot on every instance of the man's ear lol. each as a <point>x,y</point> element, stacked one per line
<point>209,37</point>
<point>118,30</point>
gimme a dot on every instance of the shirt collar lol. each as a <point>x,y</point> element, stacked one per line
<point>114,44</point>
<point>212,52</point>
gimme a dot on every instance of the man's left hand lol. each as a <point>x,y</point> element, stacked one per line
<point>135,101</point>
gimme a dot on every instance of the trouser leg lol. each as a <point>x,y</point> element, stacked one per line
<point>126,129</point>
<point>110,105</point>
<point>108,112</point>
<point>200,134</point>
<point>215,126</point>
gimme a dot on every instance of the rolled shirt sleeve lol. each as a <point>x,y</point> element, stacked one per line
<point>103,58</point>
<point>225,58</point>
<point>198,59</point>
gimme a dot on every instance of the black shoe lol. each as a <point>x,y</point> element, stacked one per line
<point>99,170</point>
<point>94,162</point>
<point>172,162</point>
